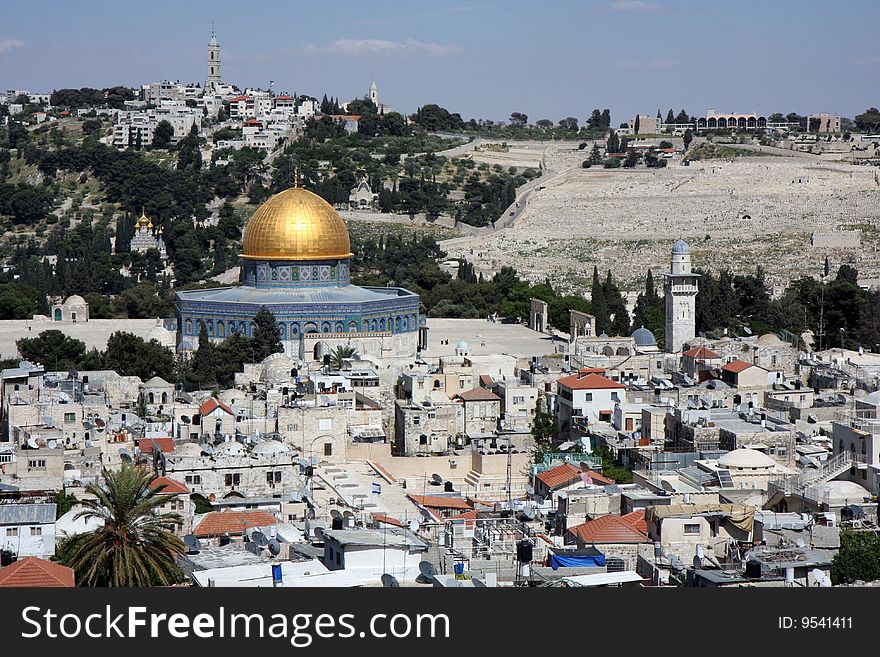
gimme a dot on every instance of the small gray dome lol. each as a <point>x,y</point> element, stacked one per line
<point>644,338</point>
<point>603,335</point>
<point>462,346</point>
<point>680,248</point>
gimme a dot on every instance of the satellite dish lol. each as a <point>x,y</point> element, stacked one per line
<point>48,421</point>
<point>530,489</point>
<point>436,479</point>
<point>427,569</point>
<point>478,583</point>
<point>390,581</point>
<point>193,545</point>
<point>253,548</point>
<point>274,547</point>
<point>32,443</point>
<point>414,526</point>
<point>303,463</point>
<point>88,425</point>
<point>259,538</point>
<point>319,533</point>
<point>52,444</point>
<point>335,514</point>
<point>212,497</point>
<point>207,449</point>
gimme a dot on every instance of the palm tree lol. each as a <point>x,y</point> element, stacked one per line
<point>341,353</point>
<point>136,546</point>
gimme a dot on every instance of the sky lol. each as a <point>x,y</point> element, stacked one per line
<point>481,58</point>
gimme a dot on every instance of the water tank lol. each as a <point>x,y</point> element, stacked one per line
<point>447,486</point>
<point>658,549</point>
<point>225,540</point>
<point>753,569</point>
<point>524,551</point>
<point>276,574</point>
<point>789,576</point>
<point>337,523</point>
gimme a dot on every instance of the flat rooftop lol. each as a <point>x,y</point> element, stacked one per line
<point>486,338</point>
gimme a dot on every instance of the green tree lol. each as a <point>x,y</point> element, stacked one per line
<point>131,355</point>
<point>339,354</point>
<point>163,134</point>
<point>598,306</point>
<point>267,334</point>
<point>857,559</point>
<point>53,349</point>
<point>613,143</point>
<point>136,546</point>
<point>64,502</point>
<point>687,138</point>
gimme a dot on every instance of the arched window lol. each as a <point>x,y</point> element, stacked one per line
<point>340,327</point>
<point>382,324</point>
<point>282,331</point>
<point>221,329</point>
<point>397,324</point>
<point>294,329</point>
<point>164,397</point>
<point>325,327</point>
<point>188,327</point>
<point>352,327</point>
<point>151,398</point>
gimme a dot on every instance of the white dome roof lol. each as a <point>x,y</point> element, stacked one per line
<point>270,447</point>
<point>188,449</point>
<point>839,492</point>
<point>770,340</point>
<point>74,300</point>
<point>462,346</point>
<point>746,458</point>
<point>230,448</point>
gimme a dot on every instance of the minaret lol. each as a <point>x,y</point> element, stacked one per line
<point>681,302</point>
<point>213,78</point>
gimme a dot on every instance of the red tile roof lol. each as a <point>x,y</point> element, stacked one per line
<point>239,98</point>
<point>736,366</point>
<point>32,572</point>
<point>468,516</point>
<point>172,486</point>
<point>486,381</point>
<point>591,370</point>
<point>608,529</point>
<point>381,517</point>
<point>165,445</point>
<point>217,523</point>
<point>440,502</point>
<point>478,394</point>
<point>637,520</point>
<point>565,474</point>
<point>213,404</point>
<point>702,352</point>
<point>588,382</point>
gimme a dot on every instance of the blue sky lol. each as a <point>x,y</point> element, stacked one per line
<point>482,58</point>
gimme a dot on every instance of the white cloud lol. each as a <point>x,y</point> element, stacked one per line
<point>359,47</point>
<point>636,63</point>
<point>9,44</point>
<point>634,6</point>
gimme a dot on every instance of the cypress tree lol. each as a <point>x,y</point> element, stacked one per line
<point>598,307</point>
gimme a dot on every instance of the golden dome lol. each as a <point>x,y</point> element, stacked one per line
<point>144,220</point>
<point>296,224</point>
